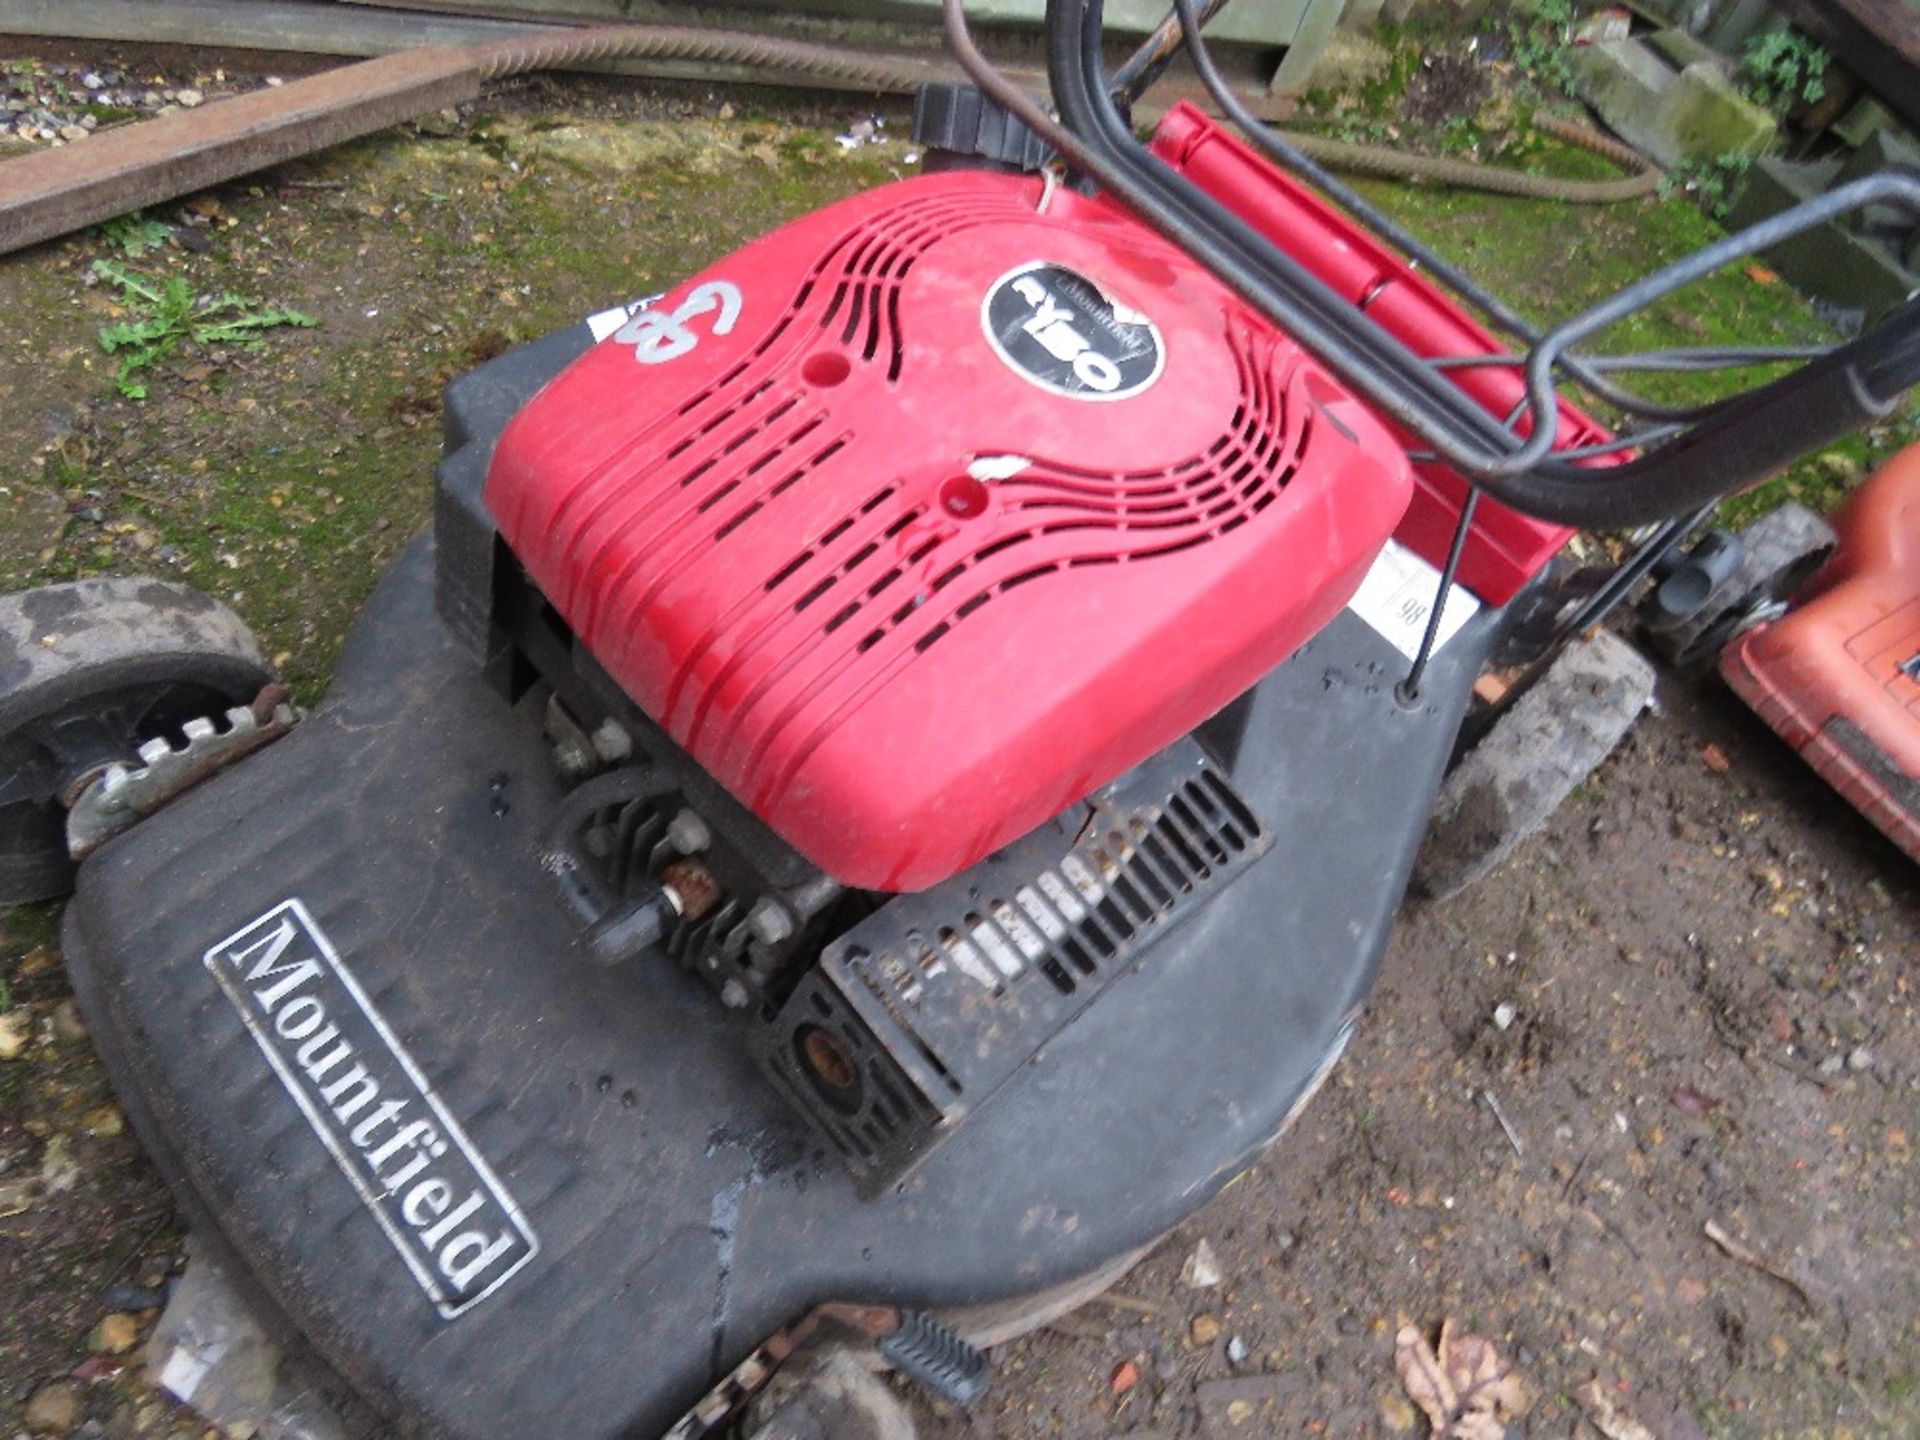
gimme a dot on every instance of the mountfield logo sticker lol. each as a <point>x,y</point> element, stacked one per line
<point>450,1218</point>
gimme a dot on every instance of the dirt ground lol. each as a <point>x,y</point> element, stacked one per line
<point>1709,969</point>
<point>1686,953</point>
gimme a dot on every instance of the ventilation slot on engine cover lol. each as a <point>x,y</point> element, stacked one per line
<point>914,1018</point>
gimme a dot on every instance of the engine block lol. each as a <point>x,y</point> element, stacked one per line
<point>922,518</point>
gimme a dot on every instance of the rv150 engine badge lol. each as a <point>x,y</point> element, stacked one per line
<point>1059,330</point>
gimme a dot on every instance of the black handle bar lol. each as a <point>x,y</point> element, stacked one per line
<point>1727,447</point>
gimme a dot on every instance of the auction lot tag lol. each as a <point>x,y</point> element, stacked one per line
<point>1397,597</point>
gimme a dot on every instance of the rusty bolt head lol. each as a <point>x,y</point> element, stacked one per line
<point>692,886</point>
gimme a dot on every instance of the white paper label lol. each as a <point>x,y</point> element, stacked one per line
<point>607,321</point>
<point>1397,597</point>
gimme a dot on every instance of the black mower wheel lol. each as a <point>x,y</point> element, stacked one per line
<point>89,672</point>
<point>1780,552</point>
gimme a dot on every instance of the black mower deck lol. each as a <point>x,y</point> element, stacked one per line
<point>643,1205</point>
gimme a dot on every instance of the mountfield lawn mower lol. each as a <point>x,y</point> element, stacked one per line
<point>885,787</point>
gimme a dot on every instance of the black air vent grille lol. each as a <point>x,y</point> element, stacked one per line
<point>866,269</point>
<point>938,998</point>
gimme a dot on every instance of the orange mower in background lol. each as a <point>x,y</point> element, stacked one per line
<point>1837,674</point>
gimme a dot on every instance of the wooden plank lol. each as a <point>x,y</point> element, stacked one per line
<point>595,12</point>
<point>1254,22</point>
<point>297,25</point>
<point>335,29</point>
<point>53,192</point>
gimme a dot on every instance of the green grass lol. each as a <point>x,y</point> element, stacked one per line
<point>285,478</point>
<point>1551,260</point>
<point>165,314</point>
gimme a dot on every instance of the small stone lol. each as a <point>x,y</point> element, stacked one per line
<point>1503,1014</point>
<point>91,1371</point>
<point>1239,1411</point>
<point>1202,1268</point>
<point>1396,1414</point>
<point>1236,1350</point>
<point>1861,1058</point>
<point>188,99</point>
<point>68,1027</point>
<point>92,81</point>
<point>1833,1064</point>
<point>123,1296</point>
<point>54,1408</point>
<point>71,133</point>
<point>1204,1329</point>
<point>59,1171</point>
<point>13,1036</point>
<point>115,1335</point>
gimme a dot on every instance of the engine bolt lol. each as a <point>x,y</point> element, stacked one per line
<point>612,743</point>
<point>688,833</point>
<point>770,921</point>
<point>576,761</point>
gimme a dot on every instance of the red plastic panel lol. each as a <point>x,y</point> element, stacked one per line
<point>1504,549</point>
<point>902,599</point>
<point>1849,650</point>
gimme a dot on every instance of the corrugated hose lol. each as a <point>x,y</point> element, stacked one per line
<point>800,58</point>
<point>1379,160</point>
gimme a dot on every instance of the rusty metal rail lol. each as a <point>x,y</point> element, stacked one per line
<point>57,191</point>
<point>53,192</point>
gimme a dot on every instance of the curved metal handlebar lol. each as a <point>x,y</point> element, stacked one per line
<point>1727,446</point>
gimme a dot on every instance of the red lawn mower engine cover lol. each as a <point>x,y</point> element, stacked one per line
<point>925,516</point>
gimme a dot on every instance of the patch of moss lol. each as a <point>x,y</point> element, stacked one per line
<point>287,479</point>
<point>1551,260</point>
